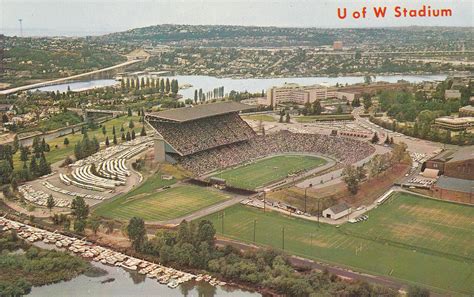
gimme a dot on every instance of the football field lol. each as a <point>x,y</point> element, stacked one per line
<point>268,170</point>
<point>160,205</point>
<point>412,239</point>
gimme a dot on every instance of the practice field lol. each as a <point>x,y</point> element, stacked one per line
<point>265,171</point>
<point>442,261</point>
<point>160,205</point>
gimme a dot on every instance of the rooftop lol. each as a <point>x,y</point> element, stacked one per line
<point>200,111</point>
<point>455,184</point>
<point>339,208</point>
<point>452,120</point>
<point>463,154</point>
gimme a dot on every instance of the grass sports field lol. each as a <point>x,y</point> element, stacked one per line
<point>268,170</point>
<point>413,239</point>
<point>152,205</point>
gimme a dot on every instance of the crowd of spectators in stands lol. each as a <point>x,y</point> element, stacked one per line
<point>346,150</point>
<point>198,135</point>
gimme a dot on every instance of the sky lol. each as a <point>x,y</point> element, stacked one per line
<point>95,17</point>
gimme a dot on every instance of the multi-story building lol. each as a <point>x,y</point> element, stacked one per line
<point>466,111</point>
<point>299,94</point>
<point>455,124</point>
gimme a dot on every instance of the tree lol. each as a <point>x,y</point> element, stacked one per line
<point>129,112</point>
<point>34,167</point>
<point>113,130</point>
<point>143,131</point>
<point>79,225</point>
<point>196,96</point>
<point>94,224</point>
<point>136,232</point>
<point>168,86</point>
<point>131,125</point>
<point>287,118</point>
<point>387,140</point>
<point>339,109</point>
<point>80,210</point>
<point>6,171</point>
<point>24,152</point>
<point>367,100</point>
<point>206,232</point>
<point>415,291</point>
<point>66,141</point>
<point>375,139</point>
<point>115,139</point>
<point>104,130</point>
<point>107,143</point>
<point>44,167</point>
<point>133,134</point>
<point>129,137</point>
<point>123,137</point>
<point>352,176</point>
<point>50,202</point>
<point>16,144</point>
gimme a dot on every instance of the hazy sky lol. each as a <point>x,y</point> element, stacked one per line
<point>91,17</point>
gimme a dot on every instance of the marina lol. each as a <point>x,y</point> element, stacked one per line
<point>170,277</point>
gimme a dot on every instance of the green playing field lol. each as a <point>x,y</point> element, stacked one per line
<point>410,238</point>
<point>160,205</point>
<point>268,170</point>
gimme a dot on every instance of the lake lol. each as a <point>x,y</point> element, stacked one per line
<point>128,283</point>
<point>131,283</point>
<point>208,83</point>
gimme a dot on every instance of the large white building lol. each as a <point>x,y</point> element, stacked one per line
<point>301,94</point>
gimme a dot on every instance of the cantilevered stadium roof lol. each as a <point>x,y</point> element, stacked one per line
<point>200,111</point>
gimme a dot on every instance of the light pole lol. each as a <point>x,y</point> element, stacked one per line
<point>254,227</point>
<point>264,199</point>
<point>305,196</point>
<point>319,213</point>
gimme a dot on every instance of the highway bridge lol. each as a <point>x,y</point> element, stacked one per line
<point>108,71</point>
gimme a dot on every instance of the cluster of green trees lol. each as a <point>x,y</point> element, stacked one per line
<point>192,246</point>
<point>86,147</point>
<point>38,166</point>
<point>354,175</point>
<point>314,108</point>
<point>423,128</point>
<point>239,96</point>
<point>35,267</point>
<point>164,86</point>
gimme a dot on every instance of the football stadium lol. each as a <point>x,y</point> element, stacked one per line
<point>213,138</point>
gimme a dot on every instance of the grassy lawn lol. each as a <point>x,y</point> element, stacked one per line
<point>62,151</point>
<point>260,117</point>
<point>357,245</point>
<point>321,118</point>
<point>268,170</point>
<point>152,205</point>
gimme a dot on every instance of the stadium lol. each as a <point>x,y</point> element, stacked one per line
<point>213,138</point>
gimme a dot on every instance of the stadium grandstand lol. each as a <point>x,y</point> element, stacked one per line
<point>190,130</point>
<point>209,137</point>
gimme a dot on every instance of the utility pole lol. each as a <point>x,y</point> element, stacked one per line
<point>264,199</point>
<point>283,237</point>
<point>254,227</point>
<point>319,212</point>
<point>222,217</point>
<point>305,196</point>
